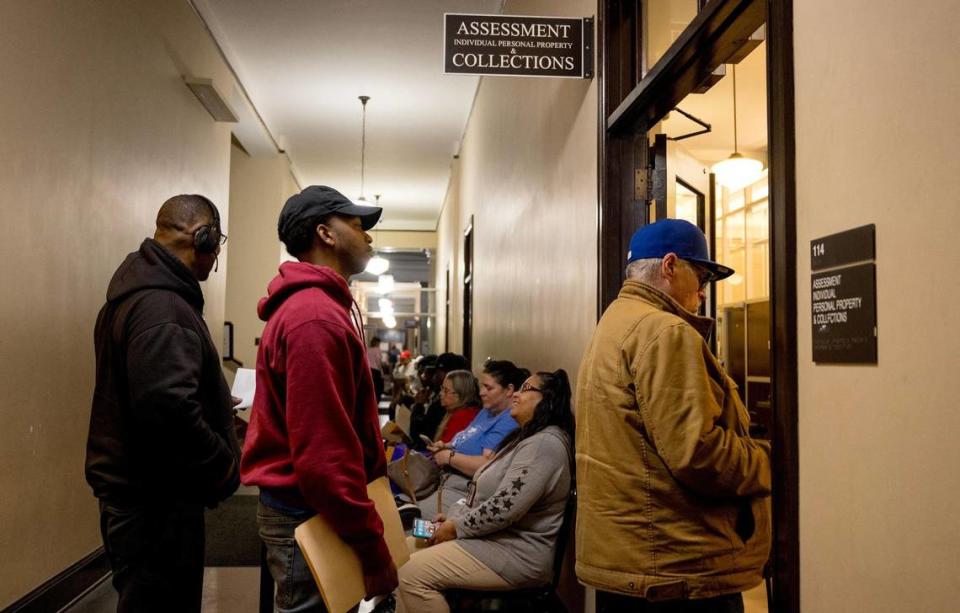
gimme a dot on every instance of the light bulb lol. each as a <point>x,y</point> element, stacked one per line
<point>737,171</point>
<point>378,265</point>
<point>390,321</point>
<point>385,284</point>
<point>386,306</point>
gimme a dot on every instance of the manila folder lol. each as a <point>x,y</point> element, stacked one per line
<point>335,566</point>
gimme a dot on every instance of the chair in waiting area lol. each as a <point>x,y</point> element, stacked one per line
<point>542,599</point>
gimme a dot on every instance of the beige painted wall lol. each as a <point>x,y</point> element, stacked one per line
<point>404,239</point>
<point>877,86</point>
<point>527,174</point>
<point>98,130</point>
<point>258,188</point>
<point>448,260</point>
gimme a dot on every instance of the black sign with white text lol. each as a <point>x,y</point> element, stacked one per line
<point>856,245</point>
<point>844,311</point>
<point>516,45</point>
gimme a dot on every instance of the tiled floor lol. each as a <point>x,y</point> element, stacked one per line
<point>236,590</point>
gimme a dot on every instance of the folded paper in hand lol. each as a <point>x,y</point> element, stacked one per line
<point>244,384</point>
<point>334,564</point>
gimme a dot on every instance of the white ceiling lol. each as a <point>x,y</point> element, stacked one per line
<point>716,108</point>
<point>303,64</point>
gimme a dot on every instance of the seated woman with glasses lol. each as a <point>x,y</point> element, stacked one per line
<point>460,398</point>
<point>503,535</point>
<point>471,448</point>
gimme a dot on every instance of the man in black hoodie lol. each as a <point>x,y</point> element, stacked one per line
<point>162,443</point>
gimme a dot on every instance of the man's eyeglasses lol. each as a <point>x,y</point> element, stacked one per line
<point>526,387</point>
<point>704,276</point>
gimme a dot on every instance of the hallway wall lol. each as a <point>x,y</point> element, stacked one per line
<point>527,174</point>
<point>98,130</point>
<point>258,188</point>
<point>876,92</point>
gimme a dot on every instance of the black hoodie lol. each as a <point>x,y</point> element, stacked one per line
<point>161,426</point>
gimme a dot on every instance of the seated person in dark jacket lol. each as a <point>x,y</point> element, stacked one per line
<point>426,415</point>
<point>161,443</point>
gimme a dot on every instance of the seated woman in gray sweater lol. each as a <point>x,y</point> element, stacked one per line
<point>502,536</point>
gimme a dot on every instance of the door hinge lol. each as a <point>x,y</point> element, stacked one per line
<point>640,185</point>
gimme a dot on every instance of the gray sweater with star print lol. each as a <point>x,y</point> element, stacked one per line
<point>513,521</point>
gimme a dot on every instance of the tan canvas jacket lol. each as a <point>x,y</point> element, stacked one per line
<point>673,493</point>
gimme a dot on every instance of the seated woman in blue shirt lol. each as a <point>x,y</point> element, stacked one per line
<point>471,448</point>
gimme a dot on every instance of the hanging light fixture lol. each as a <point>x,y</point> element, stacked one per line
<point>386,306</point>
<point>377,265</point>
<point>363,143</point>
<point>385,284</point>
<point>737,171</point>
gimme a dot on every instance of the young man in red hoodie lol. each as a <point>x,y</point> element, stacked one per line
<point>314,438</point>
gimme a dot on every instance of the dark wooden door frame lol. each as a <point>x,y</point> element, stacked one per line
<point>630,102</point>
<point>468,290</point>
<point>783,296</point>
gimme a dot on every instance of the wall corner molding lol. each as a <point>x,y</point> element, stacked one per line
<point>65,587</point>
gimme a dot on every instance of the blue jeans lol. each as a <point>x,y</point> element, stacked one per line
<point>296,590</point>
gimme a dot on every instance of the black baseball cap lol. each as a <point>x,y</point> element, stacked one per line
<point>319,200</point>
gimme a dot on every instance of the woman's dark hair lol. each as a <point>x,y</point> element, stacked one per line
<point>375,341</point>
<point>554,409</point>
<point>505,373</point>
<point>299,239</point>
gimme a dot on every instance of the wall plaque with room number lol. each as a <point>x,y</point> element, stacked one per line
<point>856,245</point>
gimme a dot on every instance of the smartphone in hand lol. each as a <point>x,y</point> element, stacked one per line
<point>423,529</point>
<point>426,439</point>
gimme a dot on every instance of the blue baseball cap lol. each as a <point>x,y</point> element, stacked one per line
<point>675,236</point>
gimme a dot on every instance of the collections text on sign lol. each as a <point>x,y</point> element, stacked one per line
<point>844,315</point>
<point>515,45</point>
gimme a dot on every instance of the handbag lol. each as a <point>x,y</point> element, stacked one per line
<point>415,474</point>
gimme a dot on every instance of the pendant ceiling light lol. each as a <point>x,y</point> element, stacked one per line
<point>377,264</point>
<point>385,284</point>
<point>737,171</point>
<point>363,144</point>
<point>386,306</point>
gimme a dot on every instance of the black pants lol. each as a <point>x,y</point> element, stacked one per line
<point>617,603</point>
<point>377,382</point>
<point>156,553</point>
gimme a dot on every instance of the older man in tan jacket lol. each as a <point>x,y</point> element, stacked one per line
<point>673,493</point>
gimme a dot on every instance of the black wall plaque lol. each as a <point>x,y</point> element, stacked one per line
<point>847,247</point>
<point>516,45</point>
<point>844,311</point>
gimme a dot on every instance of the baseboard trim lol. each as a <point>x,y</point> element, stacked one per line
<point>59,591</point>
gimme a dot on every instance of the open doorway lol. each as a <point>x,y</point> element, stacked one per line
<point>669,68</point>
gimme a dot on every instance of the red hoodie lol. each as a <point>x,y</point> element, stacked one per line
<point>314,435</point>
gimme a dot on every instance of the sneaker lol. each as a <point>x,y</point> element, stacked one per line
<point>387,605</point>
